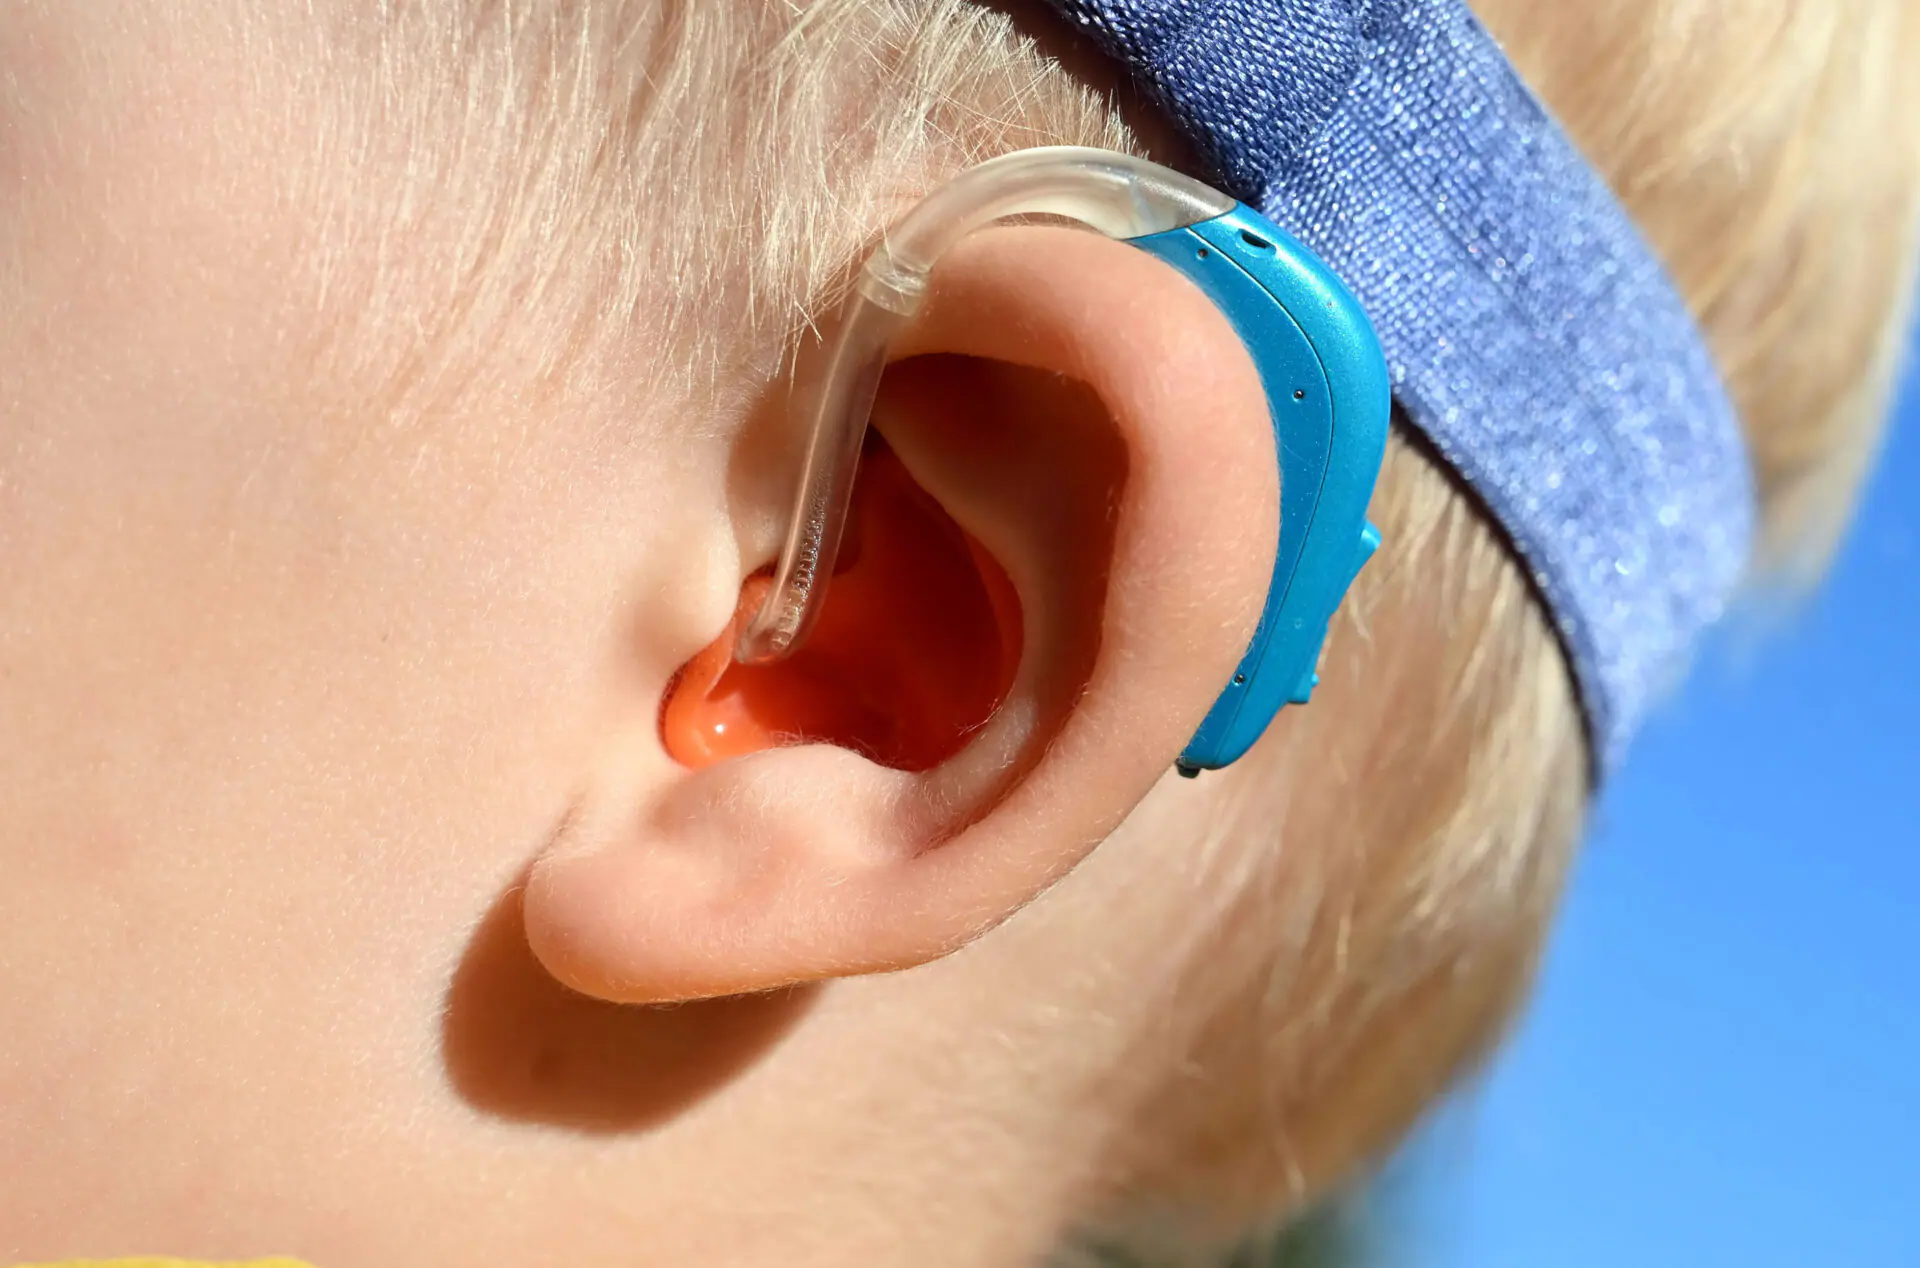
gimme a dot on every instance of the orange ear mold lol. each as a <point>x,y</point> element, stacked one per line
<point>916,645</point>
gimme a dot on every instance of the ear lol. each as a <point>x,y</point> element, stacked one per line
<point>1040,597</point>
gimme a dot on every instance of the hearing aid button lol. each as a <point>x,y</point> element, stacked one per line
<point>1303,690</point>
<point>1369,542</point>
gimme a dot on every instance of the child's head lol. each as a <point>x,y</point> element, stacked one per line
<point>395,399</point>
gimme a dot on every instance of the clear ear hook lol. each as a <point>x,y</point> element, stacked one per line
<point>1117,194</point>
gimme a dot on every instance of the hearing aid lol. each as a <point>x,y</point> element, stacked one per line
<point>1319,361</point>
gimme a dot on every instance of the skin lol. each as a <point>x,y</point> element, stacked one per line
<point>338,833</point>
<point>341,853</point>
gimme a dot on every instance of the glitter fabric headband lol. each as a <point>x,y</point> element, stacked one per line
<point>1529,331</point>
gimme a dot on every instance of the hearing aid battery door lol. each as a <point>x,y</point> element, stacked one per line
<point>1327,394</point>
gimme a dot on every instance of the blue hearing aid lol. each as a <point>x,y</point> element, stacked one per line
<point>1319,362</point>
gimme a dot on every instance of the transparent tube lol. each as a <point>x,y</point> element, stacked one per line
<point>1117,194</point>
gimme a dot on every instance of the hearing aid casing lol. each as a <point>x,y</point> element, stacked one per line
<point>1327,395</point>
<point>1320,365</point>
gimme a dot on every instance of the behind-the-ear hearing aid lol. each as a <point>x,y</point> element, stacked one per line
<point>1321,367</point>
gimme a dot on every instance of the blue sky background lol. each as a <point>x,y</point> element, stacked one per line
<point>1723,1064</point>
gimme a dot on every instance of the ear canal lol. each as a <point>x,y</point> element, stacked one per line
<point>916,645</point>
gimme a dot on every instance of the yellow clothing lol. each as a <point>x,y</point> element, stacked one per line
<point>156,1262</point>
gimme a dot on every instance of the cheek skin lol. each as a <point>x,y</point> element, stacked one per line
<point>291,693</point>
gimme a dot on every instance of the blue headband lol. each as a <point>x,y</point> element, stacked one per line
<point>1531,335</point>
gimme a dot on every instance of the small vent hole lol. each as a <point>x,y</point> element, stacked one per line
<point>1299,394</point>
<point>1255,241</point>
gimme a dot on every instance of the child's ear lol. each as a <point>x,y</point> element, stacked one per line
<point>995,700</point>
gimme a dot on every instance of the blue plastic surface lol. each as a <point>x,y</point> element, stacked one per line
<point>1327,393</point>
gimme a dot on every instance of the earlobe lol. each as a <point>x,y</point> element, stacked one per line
<point>1074,414</point>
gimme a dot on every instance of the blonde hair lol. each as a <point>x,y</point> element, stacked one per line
<point>1311,1015</point>
<point>1775,166</point>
